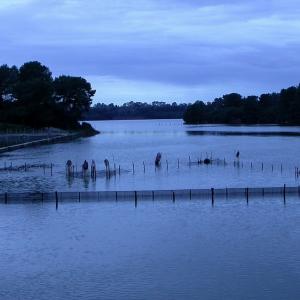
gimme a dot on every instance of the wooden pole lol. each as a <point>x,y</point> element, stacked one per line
<point>135,198</point>
<point>173,196</point>
<point>56,200</point>
<point>144,167</point>
<point>212,196</point>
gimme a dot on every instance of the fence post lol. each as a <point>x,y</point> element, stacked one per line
<point>135,198</point>
<point>56,200</point>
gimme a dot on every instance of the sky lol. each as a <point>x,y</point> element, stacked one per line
<point>158,50</point>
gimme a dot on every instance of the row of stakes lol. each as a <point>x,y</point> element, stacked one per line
<point>153,196</point>
<point>108,171</point>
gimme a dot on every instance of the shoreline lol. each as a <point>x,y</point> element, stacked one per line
<point>44,141</point>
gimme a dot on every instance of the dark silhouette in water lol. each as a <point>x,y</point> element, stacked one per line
<point>237,154</point>
<point>85,166</point>
<point>93,169</point>
<point>158,159</point>
<point>69,167</point>
<point>207,161</point>
<point>107,169</point>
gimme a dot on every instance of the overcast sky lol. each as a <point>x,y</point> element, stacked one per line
<point>180,50</point>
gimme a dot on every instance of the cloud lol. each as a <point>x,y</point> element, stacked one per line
<point>198,49</point>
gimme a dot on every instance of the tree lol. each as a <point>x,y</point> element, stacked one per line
<point>195,113</point>
<point>34,91</point>
<point>8,79</point>
<point>74,94</point>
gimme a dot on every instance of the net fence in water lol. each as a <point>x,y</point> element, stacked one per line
<point>149,194</point>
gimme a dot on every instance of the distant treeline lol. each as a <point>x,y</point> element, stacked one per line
<point>276,108</point>
<point>136,110</point>
<point>30,96</point>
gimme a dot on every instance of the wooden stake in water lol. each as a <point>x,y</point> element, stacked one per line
<point>144,167</point>
<point>178,163</point>
<point>167,165</point>
<point>133,168</point>
<point>212,196</point>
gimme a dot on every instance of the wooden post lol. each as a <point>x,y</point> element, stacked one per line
<point>189,161</point>
<point>173,196</point>
<point>262,166</point>
<point>167,165</point>
<point>226,192</point>
<point>144,167</point>
<point>56,200</point>
<point>116,196</point>
<point>212,196</point>
<point>178,163</point>
<point>133,168</point>
<point>51,169</point>
<point>284,191</point>
<point>190,194</point>
<point>79,197</point>
<point>135,198</point>
<point>5,198</point>
<point>247,194</point>
<point>251,165</point>
<point>152,195</point>
<point>119,170</point>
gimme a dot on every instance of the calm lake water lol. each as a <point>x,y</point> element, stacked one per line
<point>188,249</point>
<point>128,142</point>
<point>159,250</point>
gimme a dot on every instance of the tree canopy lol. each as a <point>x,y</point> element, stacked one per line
<point>31,96</point>
<point>277,108</point>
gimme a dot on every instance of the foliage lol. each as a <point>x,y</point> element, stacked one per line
<point>277,108</point>
<point>30,96</point>
<point>136,110</point>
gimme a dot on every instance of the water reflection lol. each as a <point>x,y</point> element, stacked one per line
<point>243,133</point>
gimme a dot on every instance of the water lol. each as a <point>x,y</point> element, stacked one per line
<point>127,142</point>
<point>159,250</point>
